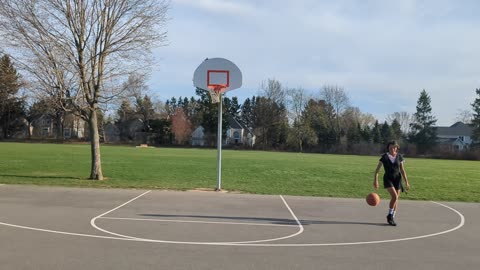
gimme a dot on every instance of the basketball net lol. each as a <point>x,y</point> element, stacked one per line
<point>215,93</point>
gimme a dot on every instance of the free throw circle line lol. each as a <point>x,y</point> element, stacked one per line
<point>301,229</point>
<point>461,224</point>
<point>92,221</point>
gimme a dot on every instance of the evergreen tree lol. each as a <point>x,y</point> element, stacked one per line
<point>476,119</point>
<point>386,133</point>
<point>396,129</point>
<point>233,108</point>
<point>353,135</point>
<point>315,117</point>
<point>11,107</point>
<point>423,132</point>
<point>145,111</point>
<point>246,114</point>
<point>366,134</point>
<point>270,123</point>
<point>125,113</point>
<point>376,134</point>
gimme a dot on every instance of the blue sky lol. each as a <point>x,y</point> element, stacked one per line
<point>383,53</point>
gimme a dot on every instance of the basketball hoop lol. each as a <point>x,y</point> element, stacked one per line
<point>215,92</point>
<point>217,76</point>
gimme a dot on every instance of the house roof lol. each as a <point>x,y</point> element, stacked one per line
<point>235,124</point>
<point>457,129</point>
<point>451,141</point>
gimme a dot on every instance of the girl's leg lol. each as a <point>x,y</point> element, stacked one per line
<point>396,203</point>
<point>393,197</point>
<point>393,205</point>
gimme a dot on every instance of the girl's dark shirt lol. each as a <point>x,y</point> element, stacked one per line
<point>392,170</point>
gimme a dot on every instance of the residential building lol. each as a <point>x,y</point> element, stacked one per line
<point>456,137</point>
<point>236,134</point>
<point>46,127</point>
<point>239,134</point>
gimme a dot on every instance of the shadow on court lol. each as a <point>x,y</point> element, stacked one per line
<point>275,221</point>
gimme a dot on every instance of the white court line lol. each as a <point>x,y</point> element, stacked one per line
<point>201,222</point>
<point>301,229</point>
<point>64,233</point>
<point>92,221</point>
<point>129,238</point>
<point>462,222</point>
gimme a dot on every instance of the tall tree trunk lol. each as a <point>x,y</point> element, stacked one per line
<point>96,171</point>
<point>6,125</point>
<point>59,120</point>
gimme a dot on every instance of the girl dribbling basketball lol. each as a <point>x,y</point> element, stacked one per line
<point>393,165</point>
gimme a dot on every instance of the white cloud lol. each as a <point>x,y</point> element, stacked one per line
<point>373,48</point>
<point>218,7</point>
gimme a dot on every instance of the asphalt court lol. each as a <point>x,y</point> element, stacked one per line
<point>287,230</point>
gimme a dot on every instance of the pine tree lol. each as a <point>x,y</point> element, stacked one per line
<point>476,119</point>
<point>247,117</point>
<point>10,106</point>
<point>376,135</point>
<point>423,132</point>
<point>386,133</point>
<point>396,128</point>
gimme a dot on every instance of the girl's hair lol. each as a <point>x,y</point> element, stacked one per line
<point>394,143</point>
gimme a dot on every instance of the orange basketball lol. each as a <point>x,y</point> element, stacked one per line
<point>373,199</point>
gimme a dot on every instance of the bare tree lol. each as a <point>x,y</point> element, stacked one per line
<point>464,116</point>
<point>88,47</point>
<point>337,98</point>
<point>403,118</point>
<point>297,100</point>
<point>181,126</point>
<point>352,117</point>
<point>273,90</point>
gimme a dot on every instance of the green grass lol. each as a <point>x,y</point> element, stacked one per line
<point>244,171</point>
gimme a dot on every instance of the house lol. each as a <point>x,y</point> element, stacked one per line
<point>239,134</point>
<point>46,127</point>
<point>198,137</point>
<point>236,134</point>
<point>73,127</point>
<point>456,137</point>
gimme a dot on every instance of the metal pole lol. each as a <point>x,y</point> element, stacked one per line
<point>219,146</point>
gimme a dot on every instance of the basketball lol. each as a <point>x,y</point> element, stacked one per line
<point>373,199</point>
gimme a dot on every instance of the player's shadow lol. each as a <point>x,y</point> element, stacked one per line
<point>276,221</point>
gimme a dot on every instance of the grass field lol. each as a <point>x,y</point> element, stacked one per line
<point>243,171</point>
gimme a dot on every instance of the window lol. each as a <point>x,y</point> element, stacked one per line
<point>45,132</point>
<point>67,133</point>
<point>236,137</point>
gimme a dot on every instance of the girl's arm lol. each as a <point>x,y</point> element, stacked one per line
<point>375,179</point>
<point>404,175</point>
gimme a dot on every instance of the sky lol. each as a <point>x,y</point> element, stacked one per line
<point>383,53</point>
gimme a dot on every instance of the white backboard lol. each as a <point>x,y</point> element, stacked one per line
<point>217,71</point>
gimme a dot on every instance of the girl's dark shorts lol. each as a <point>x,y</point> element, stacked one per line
<point>395,182</point>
